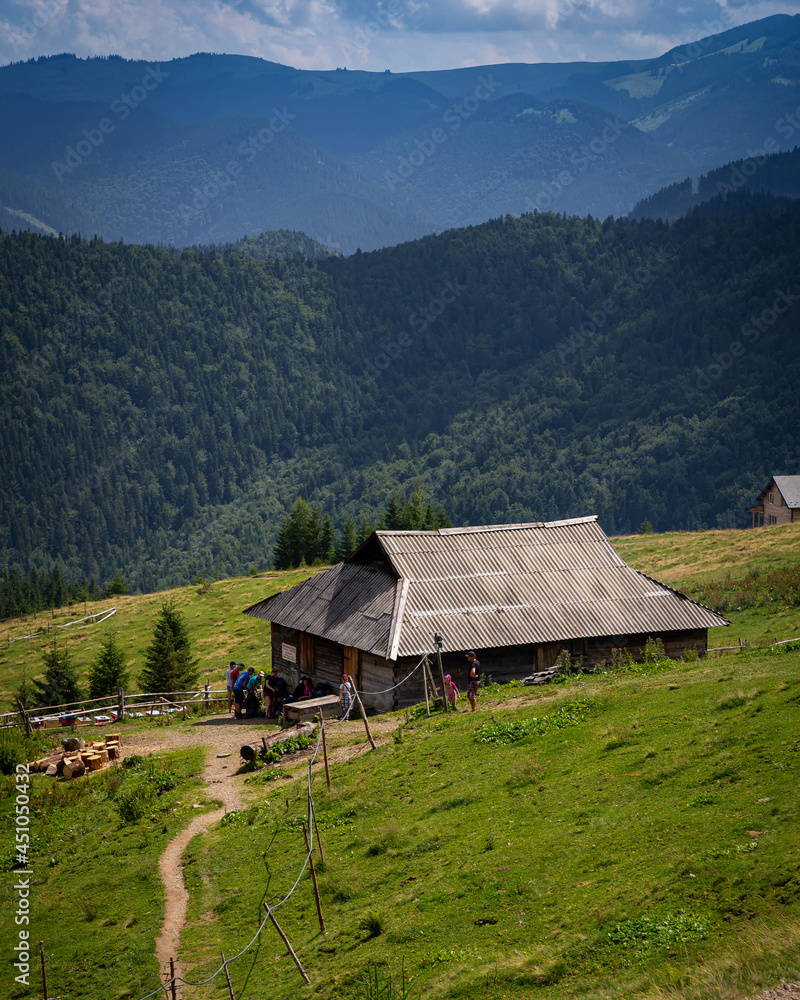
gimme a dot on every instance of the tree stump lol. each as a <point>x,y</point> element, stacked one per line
<point>95,762</point>
<point>70,743</point>
<point>74,768</point>
<point>52,771</point>
<point>113,751</point>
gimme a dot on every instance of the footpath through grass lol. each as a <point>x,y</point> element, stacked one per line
<point>639,839</point>
<point>95,896</point>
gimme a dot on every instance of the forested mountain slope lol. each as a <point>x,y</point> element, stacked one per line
<point>161,410</point>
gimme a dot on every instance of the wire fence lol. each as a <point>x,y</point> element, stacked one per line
<point>310,824</point>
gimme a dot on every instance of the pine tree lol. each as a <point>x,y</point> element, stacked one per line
<point>347,543</point>
<point>59,685</point>
<point>108,672</point>
<point>169,665</point>
<point>115,586</point>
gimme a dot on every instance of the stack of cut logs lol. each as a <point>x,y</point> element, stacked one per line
<point>78,757</point>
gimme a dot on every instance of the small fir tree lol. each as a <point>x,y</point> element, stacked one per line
<point>59,685</point>
<point>108,672</point>
<point>169,665</point>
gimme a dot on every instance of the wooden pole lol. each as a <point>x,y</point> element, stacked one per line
<point>325,755</point>
<point>314,880</point>
<point>120,704</point>
<point>44,970</point>
<point>289,948</point>
<point>172,978</point>
<point>425,685</point>
<point>429,670</point>
<point>25,718</point>
<point>441,675</point>
<point>316,833</point>
<point>363,716</point>
<point>227,974</point>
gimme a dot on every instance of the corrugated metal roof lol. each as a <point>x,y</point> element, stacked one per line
<point>496,585</point>
<point>350,604</point>
<point>790,489</point>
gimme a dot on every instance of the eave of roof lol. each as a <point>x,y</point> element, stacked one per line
<point>488,586</point>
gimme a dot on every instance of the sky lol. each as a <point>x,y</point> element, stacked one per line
<point>401,35</point>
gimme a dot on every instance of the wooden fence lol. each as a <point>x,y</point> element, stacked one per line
<point>99,711</point>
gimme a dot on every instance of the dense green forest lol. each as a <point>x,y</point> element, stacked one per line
<point>762,182</point>
<point>163,410</point>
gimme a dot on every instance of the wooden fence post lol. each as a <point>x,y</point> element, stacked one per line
<point>314,879</point>
<point>44,970</point>
<point>325,754</point>
<point>363,715</point>
<point>445,699</point>
<point>172,978</point>
<point>289,948</point>
<point>227,975</point>
<point>120,704</point>
<point>25,718</point>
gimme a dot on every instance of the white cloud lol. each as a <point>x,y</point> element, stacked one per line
<point>369,34</point>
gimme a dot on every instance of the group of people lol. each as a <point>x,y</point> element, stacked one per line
<point>251,694</point>
<point>473,683</point>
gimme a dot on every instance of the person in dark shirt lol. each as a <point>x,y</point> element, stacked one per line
<point>473,678</point>
<point>275,692</point>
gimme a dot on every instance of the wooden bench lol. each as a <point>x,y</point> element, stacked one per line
<point>306,711</point>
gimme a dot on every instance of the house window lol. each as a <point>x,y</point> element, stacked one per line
<point>772,498</point>
<point>577,647</point>
<point>759,520</point>
<point>773,519</point>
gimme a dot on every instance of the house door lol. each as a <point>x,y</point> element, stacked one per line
<point>351,664</point>
<point>307,654</point>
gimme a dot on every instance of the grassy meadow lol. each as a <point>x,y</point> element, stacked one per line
<point>633,834</point>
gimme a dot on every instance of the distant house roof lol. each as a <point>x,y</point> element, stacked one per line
<point>789,487</point>
<point>498,585</point>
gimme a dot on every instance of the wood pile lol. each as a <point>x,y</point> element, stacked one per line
<point>78,757</point>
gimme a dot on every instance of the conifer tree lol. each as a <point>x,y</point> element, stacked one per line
<point>108,672</point>
<point>347,543</point>
<point>169,665</point>
<point>59,685</point>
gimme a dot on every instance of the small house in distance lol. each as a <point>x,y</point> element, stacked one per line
<point>518,594</point>
<point>778,502</point>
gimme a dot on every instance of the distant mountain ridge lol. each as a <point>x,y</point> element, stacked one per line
<point>211,148</point>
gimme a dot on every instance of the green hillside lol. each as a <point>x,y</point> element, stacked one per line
<point>161,411</point>
<point>629,834</point>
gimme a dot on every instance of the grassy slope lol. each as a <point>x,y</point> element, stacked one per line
<point>491,871</point>
<point>219,630</point>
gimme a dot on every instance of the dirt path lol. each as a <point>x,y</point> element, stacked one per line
<point>222,738</point>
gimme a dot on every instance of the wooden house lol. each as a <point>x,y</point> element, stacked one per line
<point>519,595</point>
<point>778,502</point>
